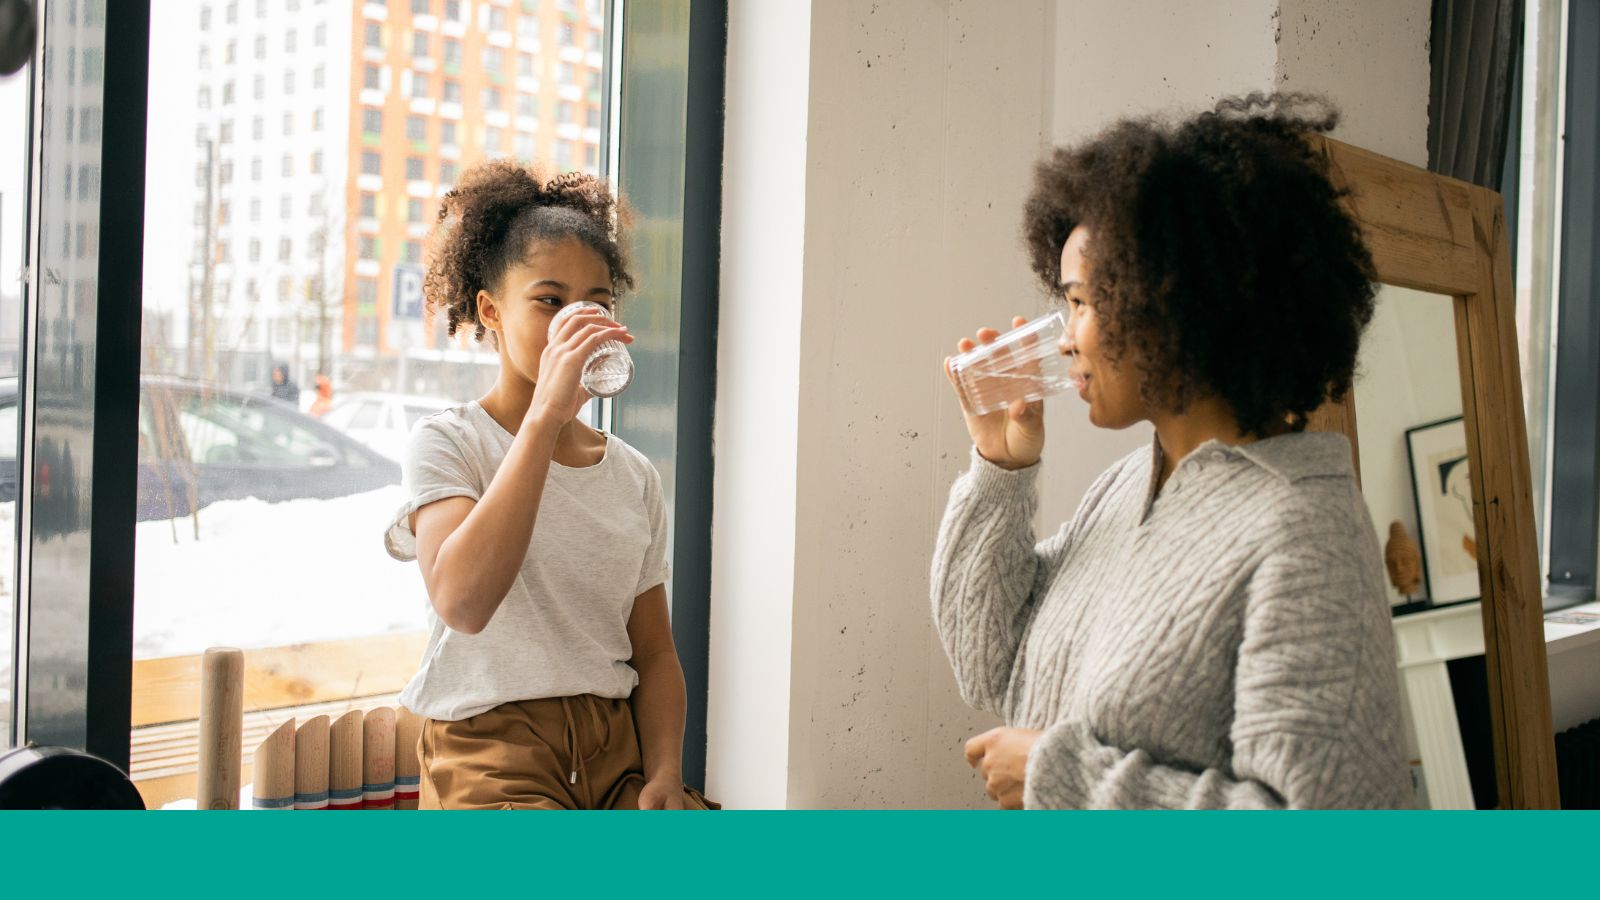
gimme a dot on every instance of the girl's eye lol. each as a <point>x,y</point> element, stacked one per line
<point>549,301</point>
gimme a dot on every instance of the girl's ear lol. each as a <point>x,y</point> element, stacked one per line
<point>488,313</point>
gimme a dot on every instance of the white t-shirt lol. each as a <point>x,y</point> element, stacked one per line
<point>600,541</point>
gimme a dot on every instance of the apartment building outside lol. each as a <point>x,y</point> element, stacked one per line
<point>323,134</point>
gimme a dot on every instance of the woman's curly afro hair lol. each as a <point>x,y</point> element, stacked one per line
<point>1218,252</point>
<point>496,212</point>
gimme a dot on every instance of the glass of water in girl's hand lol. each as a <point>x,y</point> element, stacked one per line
<point>1025,363</point>
<point>609,369</point>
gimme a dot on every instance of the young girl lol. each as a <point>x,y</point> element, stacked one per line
<point>542,542</point>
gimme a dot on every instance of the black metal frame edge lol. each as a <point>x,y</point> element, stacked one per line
<point>697,366</point>
<point>1575,439</point>
<point>116,381</point>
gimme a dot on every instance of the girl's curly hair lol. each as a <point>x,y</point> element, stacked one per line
<point>487,222</point>
<point>1220,254</point>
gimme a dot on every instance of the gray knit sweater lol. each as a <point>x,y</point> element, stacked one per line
<point>1222,644</point>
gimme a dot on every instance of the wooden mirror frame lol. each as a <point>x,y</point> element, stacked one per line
<point>1435,234</point>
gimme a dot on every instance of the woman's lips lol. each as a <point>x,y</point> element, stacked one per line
<point>1081,382</point>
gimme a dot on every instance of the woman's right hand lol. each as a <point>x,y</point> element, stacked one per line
<point>559,393</point>
<point>1011,438</point>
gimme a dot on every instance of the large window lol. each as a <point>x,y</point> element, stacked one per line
<point>261,506</point>
<point>224,478</point>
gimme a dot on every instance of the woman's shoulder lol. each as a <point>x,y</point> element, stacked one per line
<point>1303,484</point>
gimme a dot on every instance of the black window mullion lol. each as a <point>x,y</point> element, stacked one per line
<point>1575,429</point>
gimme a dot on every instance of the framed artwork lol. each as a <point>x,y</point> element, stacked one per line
<point>1441,482</point>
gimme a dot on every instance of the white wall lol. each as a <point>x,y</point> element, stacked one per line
<point>892,145</point>
<point>753,528</point>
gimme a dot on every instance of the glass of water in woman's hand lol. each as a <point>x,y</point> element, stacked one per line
<point>1025,363</point>
<point>609,369</point>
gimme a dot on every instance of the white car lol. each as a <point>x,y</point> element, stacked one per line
<point>382,421</point>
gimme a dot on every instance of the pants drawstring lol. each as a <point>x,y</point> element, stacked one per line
<point>575,756</point>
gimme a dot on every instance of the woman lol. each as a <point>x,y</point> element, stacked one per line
<point>1210,629</point>
<point>550,679</point>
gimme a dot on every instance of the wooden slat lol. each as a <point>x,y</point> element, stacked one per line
<point>168,690</point>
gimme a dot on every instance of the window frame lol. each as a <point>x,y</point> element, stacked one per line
<point>89,688</point>
<point>1574,476</point>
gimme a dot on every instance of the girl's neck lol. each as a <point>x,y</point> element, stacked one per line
<point>507,403</point>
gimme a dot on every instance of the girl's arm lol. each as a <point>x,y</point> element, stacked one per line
<point>660,703</point>
<point>470,551</point>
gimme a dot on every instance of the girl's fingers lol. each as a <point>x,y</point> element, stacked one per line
<point>964,345</point>
<point>578,319</point>
<point>1018,321</point>
<point>987,335</point>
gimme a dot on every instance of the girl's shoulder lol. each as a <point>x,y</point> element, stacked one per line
<point>628,458</point>
<point>456,431</point>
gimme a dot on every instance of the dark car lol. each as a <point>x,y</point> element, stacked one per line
<point>199,443</point>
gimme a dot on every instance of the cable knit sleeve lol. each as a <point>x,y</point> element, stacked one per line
<point>1314,690</point>
<point>987,572</point>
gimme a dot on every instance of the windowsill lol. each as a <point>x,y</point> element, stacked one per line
<point>1560,638</point>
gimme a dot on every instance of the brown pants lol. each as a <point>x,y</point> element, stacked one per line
<point>561,753</point>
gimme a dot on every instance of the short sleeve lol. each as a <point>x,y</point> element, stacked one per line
<point>656,569</point>
<point>436,468</point>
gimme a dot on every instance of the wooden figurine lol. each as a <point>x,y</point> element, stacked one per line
<point>344,762</point>
<point>274,770</point>
<point>311,765</point>
<point>221,728</point>
<point>1403,560</point>
<point>407,764</point>
<point>377,751</point>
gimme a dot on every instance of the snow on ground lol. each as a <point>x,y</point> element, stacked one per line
<point>268,574</point>
<point>259,575</point>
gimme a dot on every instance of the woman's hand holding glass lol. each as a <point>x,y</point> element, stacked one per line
<point>1011,438</point>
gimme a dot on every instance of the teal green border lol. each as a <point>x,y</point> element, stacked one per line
<point>891,854</point>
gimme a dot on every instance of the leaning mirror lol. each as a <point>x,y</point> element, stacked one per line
<point>1440,441</point>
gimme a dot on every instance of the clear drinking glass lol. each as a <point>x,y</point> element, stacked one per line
<point>609,369</point>
<point>1025,363</point>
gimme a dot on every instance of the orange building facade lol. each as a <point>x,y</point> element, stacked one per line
<point>437,86</point>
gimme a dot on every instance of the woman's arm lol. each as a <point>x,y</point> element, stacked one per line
<point>660,702</point>
<point>987,570</point>
<point>1316,704</point>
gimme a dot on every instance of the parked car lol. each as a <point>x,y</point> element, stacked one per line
<point>381,421</point>
<point>200,443</point>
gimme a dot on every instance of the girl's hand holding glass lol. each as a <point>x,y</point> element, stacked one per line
<point>573,340</point>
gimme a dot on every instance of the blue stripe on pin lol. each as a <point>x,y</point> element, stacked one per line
<point>272,802</point>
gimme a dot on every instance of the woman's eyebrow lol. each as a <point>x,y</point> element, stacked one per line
<point>601,291</point>
<point>548,282</point>
<point>1069,285</point>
